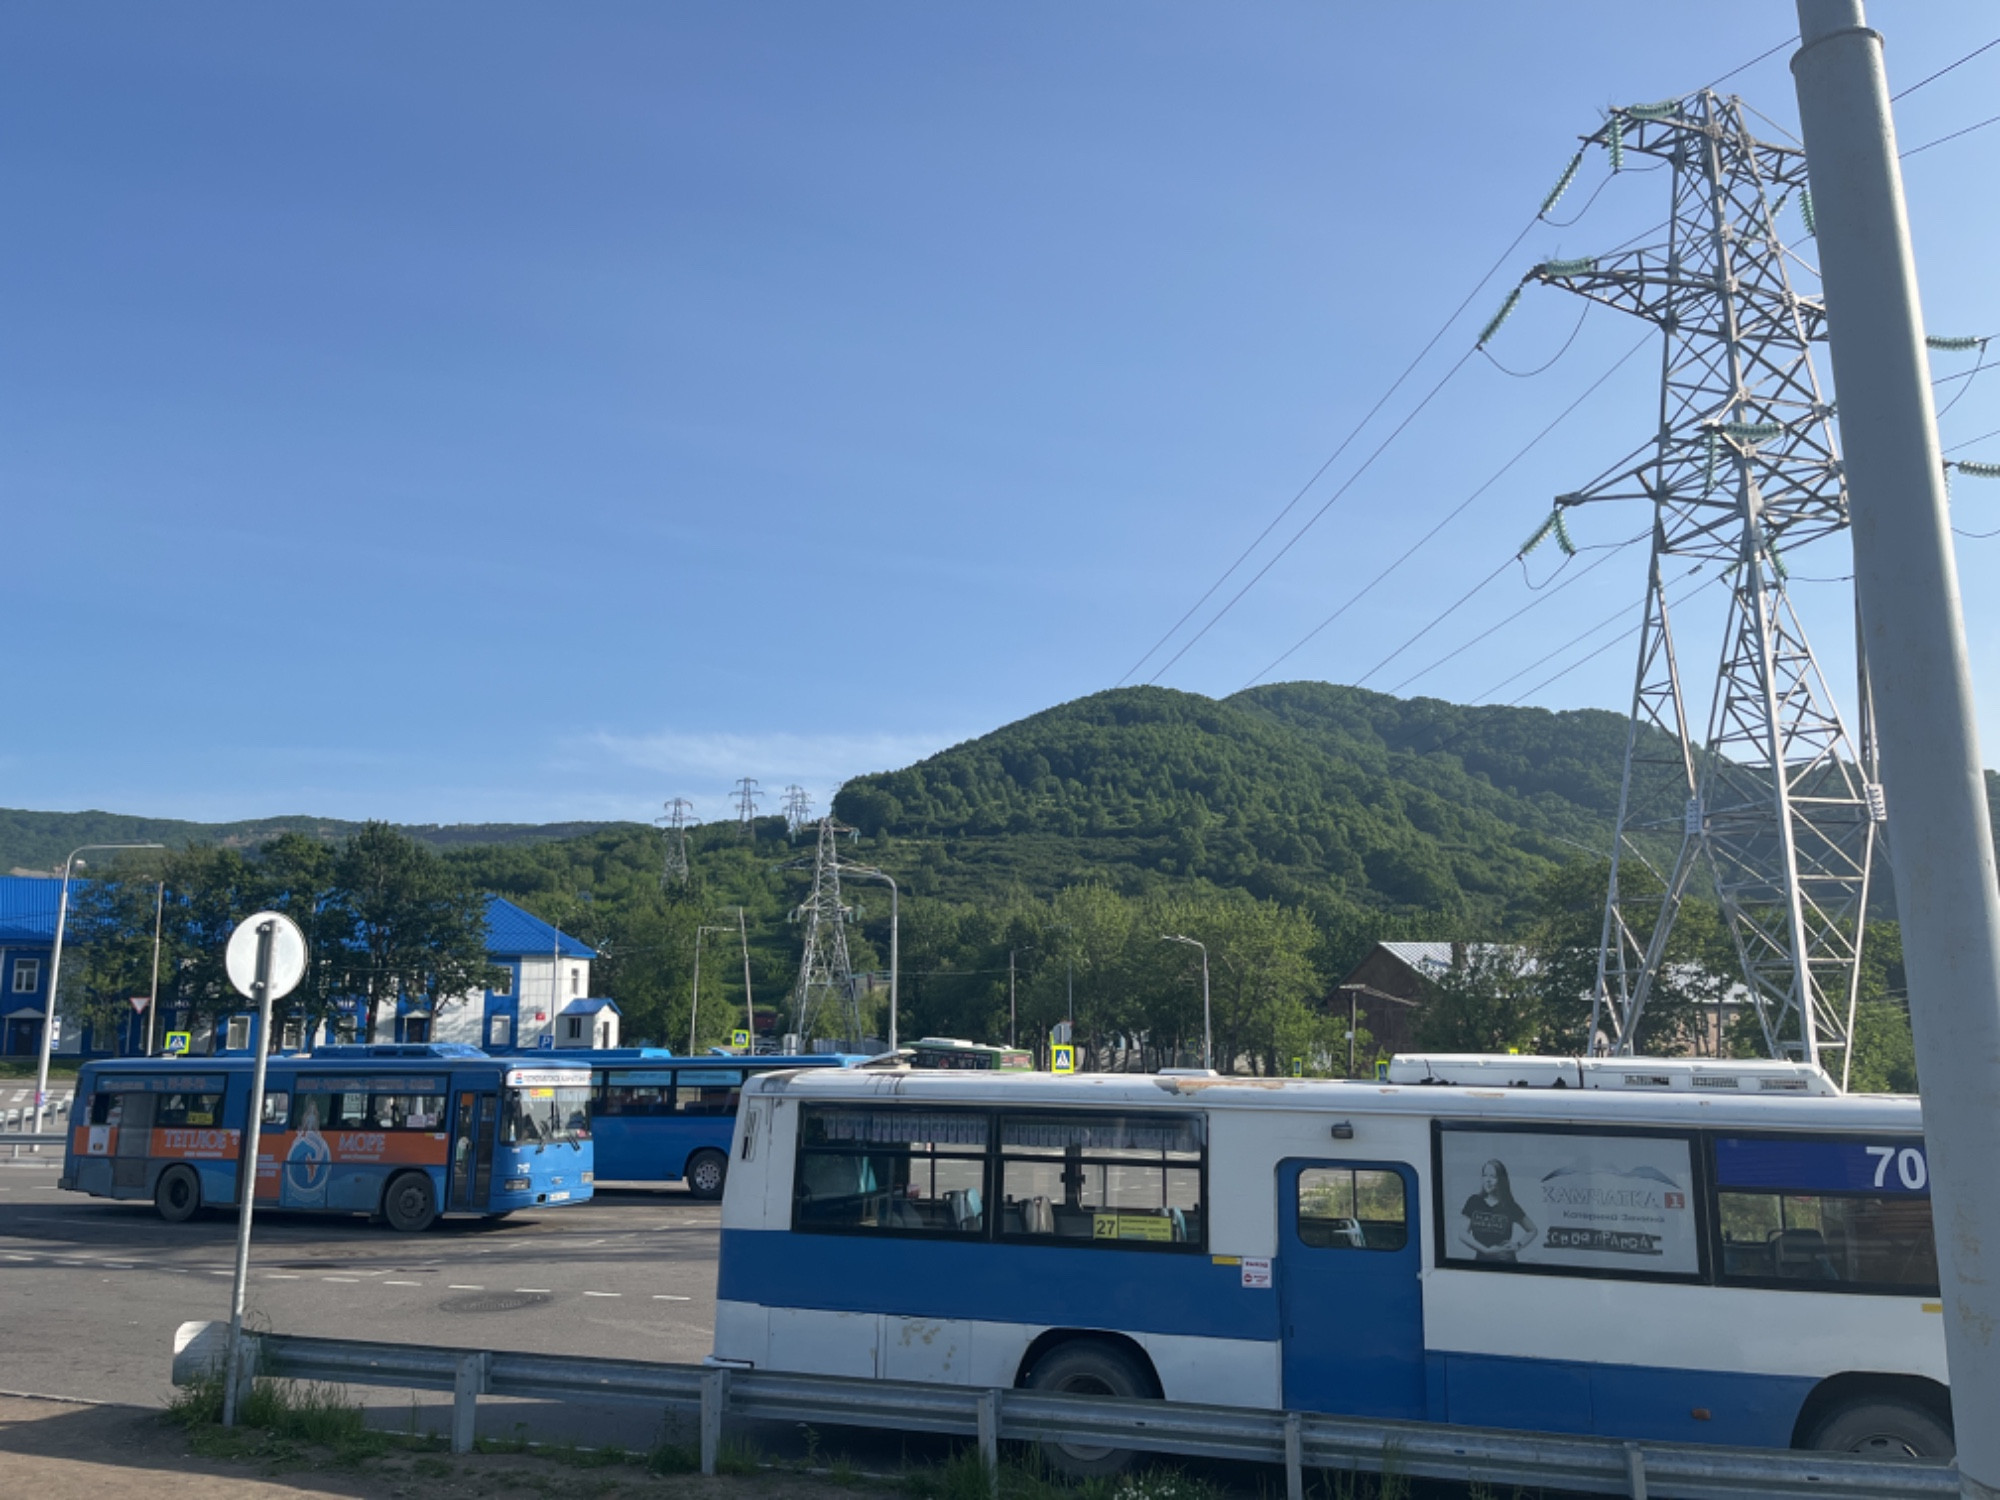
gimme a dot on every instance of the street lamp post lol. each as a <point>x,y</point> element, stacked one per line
<point>55,970</point>
<point>1012,1040</point>
<point>869,872</point>
<point>694,1008</point>
<point>1207,1031</point>
<point>153,1002</point>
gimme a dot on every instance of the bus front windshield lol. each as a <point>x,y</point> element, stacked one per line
<point>546,1116</point>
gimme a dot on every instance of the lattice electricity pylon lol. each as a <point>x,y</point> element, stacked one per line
<point>824,973</point>
<point>1776,802</point>
<point>746,804</point>
<point>798,810</point>
<point>673,824</point>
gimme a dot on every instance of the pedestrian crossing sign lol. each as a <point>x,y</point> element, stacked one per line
<point>178,1043</point>
<point>740,1040</point>
<point>1062,1059</point>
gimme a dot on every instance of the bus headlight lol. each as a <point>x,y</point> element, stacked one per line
<point>516,1185</point>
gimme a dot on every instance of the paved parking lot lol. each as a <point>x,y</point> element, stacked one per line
<point>91,1291</point>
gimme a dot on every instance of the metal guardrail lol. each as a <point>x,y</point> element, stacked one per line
<point>1297,1440</point>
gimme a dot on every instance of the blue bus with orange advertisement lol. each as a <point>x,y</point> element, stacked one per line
<point>404,1134</point>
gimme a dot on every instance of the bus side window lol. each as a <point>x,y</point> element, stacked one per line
<point>276,1108</point>
<point>1345,1208</point>
<point>709,1091</point>
<point>891,1171</point>
<point>635,1092</point>
<point>107,1109</point>
<point>405,1111</point>
<point>1861,1239</point>
<point>187,1109</point>
<point>1107,1180</point>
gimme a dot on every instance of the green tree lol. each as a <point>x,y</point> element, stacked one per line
<point>1489,1000</point>
<point>418,925</point>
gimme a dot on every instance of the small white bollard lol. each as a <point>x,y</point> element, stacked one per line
<point>467,1386</point>
<point>714,1397</point>
<point>1635,1470</point>
<point>989,1439</point>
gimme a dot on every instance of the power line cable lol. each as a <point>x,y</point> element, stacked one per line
<point>1344,486</point>
<point>1345,442</point>
<point>1608,645</point>
<point>1534,603</point>
<point>1746,67</point>
<point>1921,82</point>
<point>1990,120</point>
<point>1452,515</point>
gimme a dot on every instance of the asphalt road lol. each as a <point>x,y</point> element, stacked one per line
<point>91,1291</point>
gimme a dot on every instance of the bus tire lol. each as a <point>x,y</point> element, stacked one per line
<point>1883,1427</point>
<point>707,1172</point>
<point>1089,1367</point>
<point>177,1195</point>
<point>410,1204</point>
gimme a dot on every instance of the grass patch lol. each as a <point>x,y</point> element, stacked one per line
<point>278,1421</point>
<point>1028,1477</point>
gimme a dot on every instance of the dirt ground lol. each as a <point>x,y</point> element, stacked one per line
<point>53,1450</point>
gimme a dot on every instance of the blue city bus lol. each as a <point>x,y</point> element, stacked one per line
<point>655,1117</point>
<point>401,1133</point>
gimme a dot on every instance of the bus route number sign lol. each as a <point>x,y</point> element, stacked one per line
<point>740,1040</point>
<point>1062,1059</point>
<point>178,1043</point>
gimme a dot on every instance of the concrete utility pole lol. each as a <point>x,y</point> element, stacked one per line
<point>55,971</point>
<point>1906,581</point>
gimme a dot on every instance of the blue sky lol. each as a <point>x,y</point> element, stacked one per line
<point>508,412</point>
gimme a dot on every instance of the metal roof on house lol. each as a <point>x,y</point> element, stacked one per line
<point>28,908</point>
<point>514,933</point>
<point>1433,959</point>
<point>591,1006</point>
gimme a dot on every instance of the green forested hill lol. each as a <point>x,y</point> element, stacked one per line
<point>1294,791</point>
<point>35,842</point>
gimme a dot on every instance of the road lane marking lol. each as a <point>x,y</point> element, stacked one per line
<point>341,1278</point>
<point>540,1291</point>
<point>457,1287</point>
<point>657,1297</point>
<point>603,1294</point>
<point>280,1276</point>
<point>402,1283</point>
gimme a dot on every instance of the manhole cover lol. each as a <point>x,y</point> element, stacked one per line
<point>490,1302</point>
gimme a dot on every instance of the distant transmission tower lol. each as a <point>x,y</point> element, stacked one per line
<point>798,810</point>
<point>746,804</point>
<point>673,823</point>
<point>1775,802</point>
<point>824,975</point>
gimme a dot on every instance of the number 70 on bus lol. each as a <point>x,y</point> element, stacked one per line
<point>1911,1169</point>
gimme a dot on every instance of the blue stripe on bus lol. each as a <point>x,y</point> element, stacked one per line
<point>1642,1402</point>
<point>1135,1290</point>
<point>1894,1165</point>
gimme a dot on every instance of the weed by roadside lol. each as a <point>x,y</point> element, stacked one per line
<point>963,1477</point>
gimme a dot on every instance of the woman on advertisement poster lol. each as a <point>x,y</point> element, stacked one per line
<point>1496,1227</point>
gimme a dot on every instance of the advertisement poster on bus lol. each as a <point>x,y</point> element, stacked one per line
<point>1612,1203</point>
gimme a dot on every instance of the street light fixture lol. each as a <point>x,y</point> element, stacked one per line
<point>55,971</point>
<point>694,1008</point>
<point>869,872</point>
<point>1207,1032</point>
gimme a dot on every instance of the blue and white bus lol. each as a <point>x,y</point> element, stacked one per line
<point>1669,1252</point>
<point>402,1133</point>
<point>656,1117</point>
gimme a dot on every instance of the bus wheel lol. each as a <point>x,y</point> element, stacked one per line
<point>1088,1367</point>
<point>177,1195</point>
<point>410,1206</point>
<point>706,1172</point>
<point>1884,1428</point>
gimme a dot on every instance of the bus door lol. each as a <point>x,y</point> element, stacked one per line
<point>134,1140</point>
<point>474,1124</point>
<point>1348,1257</point>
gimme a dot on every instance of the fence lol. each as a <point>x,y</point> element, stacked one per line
<point>1297,1440</point>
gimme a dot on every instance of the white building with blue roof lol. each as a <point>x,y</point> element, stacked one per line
<point>541,1000</point>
